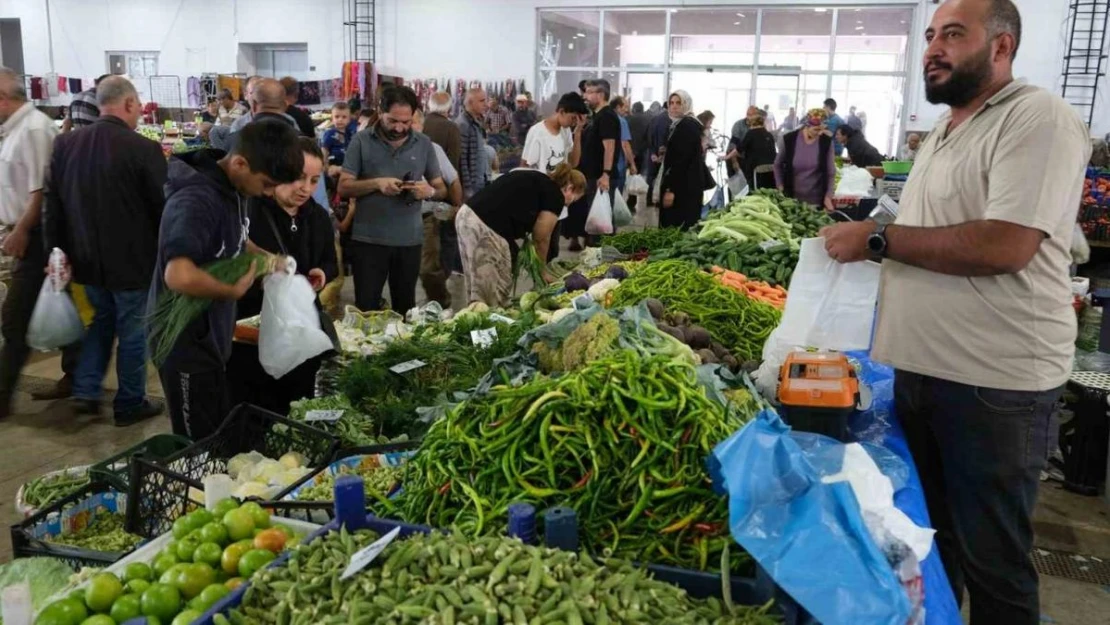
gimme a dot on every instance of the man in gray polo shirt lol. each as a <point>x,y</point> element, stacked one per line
<point>391,170</point>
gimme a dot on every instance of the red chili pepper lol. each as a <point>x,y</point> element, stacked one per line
<point>585,478</point>
<point>686,435</point>
<point>446,487</point>
<point>707,528</point>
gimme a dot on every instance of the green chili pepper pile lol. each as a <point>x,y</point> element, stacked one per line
<point>45,490</point>
<point>379,480</point>
<point>739,323</point>
<point>451,363</point>
<point>104,533</point>
<point>639,240</point>
<point>623,441</point>
<point>446,579</point>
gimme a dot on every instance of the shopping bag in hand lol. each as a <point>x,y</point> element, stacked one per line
<point>600,219</point>
<point>636,184</point>
<point>738,184</point>
<point>54,321</point>
<point>621,215</point>
<point>289,332</point>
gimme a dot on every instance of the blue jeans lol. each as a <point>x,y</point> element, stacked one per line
<point>980,452</point>
<point>118,313</point>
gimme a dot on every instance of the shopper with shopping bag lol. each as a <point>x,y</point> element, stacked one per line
<point>600,145</point>
<point>684,176</point>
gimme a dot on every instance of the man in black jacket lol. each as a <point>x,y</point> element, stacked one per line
<point>205,219</point>
<point>303,119</point>
<point>103,204</point>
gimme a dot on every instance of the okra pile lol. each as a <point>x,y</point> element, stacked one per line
<point>622,441</point>
<point>379,480</point>
<point>445,579</point>
<point>104,533</point>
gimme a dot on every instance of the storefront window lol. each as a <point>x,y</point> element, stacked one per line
<point>796,38</point>
<point>569,38</point>
<point>713,37</point>
<point>872,40</point>
<point>634,38</point>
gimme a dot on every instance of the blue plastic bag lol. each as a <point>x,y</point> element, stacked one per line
<point>810,537</point>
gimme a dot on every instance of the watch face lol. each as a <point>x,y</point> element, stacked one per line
<point>876,243</point>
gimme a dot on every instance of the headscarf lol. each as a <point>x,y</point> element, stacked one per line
<point>816,117</point>
<point>687,103</point>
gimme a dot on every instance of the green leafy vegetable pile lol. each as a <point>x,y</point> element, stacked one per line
<point>354,428</point>
<point>46,577</point>
<point>104,533</point>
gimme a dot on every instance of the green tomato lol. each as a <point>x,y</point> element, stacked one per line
<point>137,586</point>
<point>224,506</point>
<point>260,517</point>
<point>285,529</point>
<point>163,563</point>
<point>102,591</point>
<point>214,532</point>
<point>209,596</point>
<point>161,601</point>
<point>138,570</point>
<point>202,517</point>
<point>239,524</point>
<point>208,553</point>
<point>254,560</point>
<point>186,617</point>
<point>186,547</point>
<point>194,578</point>
<point>68,611</point>
<point>126,608</point>
<point>99,619</point>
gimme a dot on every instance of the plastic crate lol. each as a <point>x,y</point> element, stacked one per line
<point>26,545</point>
<point>158,496</point>
<point>250,428</point>
<point>117,469</point>
<point>286,505</point>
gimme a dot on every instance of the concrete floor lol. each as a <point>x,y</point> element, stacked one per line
<point>46,436</point>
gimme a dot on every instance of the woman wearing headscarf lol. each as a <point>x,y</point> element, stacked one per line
<point>685,176</point>
<point>805,169</point>
<point>758,150</point>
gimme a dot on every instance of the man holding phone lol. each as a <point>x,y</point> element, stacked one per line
<point>385,168</point>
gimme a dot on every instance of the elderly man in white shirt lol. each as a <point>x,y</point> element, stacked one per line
<point>908,152</point>
<point>26,144</point>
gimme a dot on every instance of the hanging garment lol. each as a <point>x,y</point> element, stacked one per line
<point>87,83</point>
<point>63,84</point>
<point>208,86</point>
<point>36,88</point>
<point>375,77</point>
<point>195,94</point>
<point>50,85</point>
<point>75,85</point>
<point>308,93</point>
<point>228,82</point>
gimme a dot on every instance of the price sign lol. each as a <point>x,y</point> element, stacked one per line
<point>483,338</point>
<point>501,319</point>
<point>323,415</point>
<point>405,367</point>
<point>367,554</point>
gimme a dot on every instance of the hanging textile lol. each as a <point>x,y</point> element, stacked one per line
<point>196,94</point>
<point>375,78</point>
<point>50,85</point>
<point>230,83</point>
<point>87,83</point>
<point>75,85</point>
<point>36,88</point>
<point>208,86</point>
<point>350,80</point>
<point>308,92</point>
<point>63,84</point>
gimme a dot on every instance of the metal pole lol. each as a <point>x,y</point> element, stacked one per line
<point>49,37</point>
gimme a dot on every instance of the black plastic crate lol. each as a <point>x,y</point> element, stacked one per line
<point>310,510</point>
<point>117,469</point>
<point>26,545</point>
<point>250,428</point>
<point>158,497</point>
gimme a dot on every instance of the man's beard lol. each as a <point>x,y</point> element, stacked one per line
<point>391,134</point>
<point>964,82</point>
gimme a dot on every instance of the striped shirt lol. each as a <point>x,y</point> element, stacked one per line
<point>83,110</point>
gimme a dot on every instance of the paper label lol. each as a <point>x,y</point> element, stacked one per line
<point>483,338</point>
<point>767,245</point>
<point>501,319</point>
<point>367,554</point>
<point>323,415</point>
<point>405,367</point>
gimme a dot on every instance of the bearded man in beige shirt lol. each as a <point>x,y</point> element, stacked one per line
<point>974,304</point>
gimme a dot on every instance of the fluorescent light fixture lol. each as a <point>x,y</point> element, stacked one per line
<point>570,46</point>
<point>739,15</point>
<point>819,10</point>
<point>736,23</point>
<point>859,27</point>
<point>580,35</point>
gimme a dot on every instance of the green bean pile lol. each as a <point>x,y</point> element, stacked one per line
<point>445,579</point>
<point>622,441</point>
<point>104,533</point>
<point>739,323</point>
<point>380,480</point>
<point>47,489</point>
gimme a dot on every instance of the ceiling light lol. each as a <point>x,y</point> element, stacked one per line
<point>736,23</point>
<point>634,33</point>
<point>819,10</point>
<point>739,15</point>
<point>901,21</point>
<point>580,35</point>
<point>859,27</point>
<point>570,46</point>
<point>617,48</point>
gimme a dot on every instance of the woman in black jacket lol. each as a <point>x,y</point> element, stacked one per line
<point>757,149</point>
<point>861,153</point>
<point>289,224</point>
<point>685,176</point>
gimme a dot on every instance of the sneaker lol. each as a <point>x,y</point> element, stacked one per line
<point>86,406</point>
<point>149,408</point>
<point>575,245</point>
<point>61,390</point>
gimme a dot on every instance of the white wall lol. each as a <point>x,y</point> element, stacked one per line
<point>191,36</point>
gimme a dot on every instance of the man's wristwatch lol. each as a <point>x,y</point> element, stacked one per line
<point>876,242</point>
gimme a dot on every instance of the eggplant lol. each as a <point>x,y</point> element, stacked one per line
<point>576,282</point>
<point>616,272</point>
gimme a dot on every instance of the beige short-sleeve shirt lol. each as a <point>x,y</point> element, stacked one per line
<point>26,143</point>
<point>1020,159</point>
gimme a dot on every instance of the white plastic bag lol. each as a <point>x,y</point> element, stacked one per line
<point>289,332</point>
<point>600,219</point>
<point>636,184</point>
<point>854,182</point>
<point>829,305</point>
<point>738,184</point>
<point>621,215</point>
<point>54,322</point>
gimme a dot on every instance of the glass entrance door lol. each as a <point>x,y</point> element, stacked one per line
<point>727,93</point>
<point>778,93</point>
